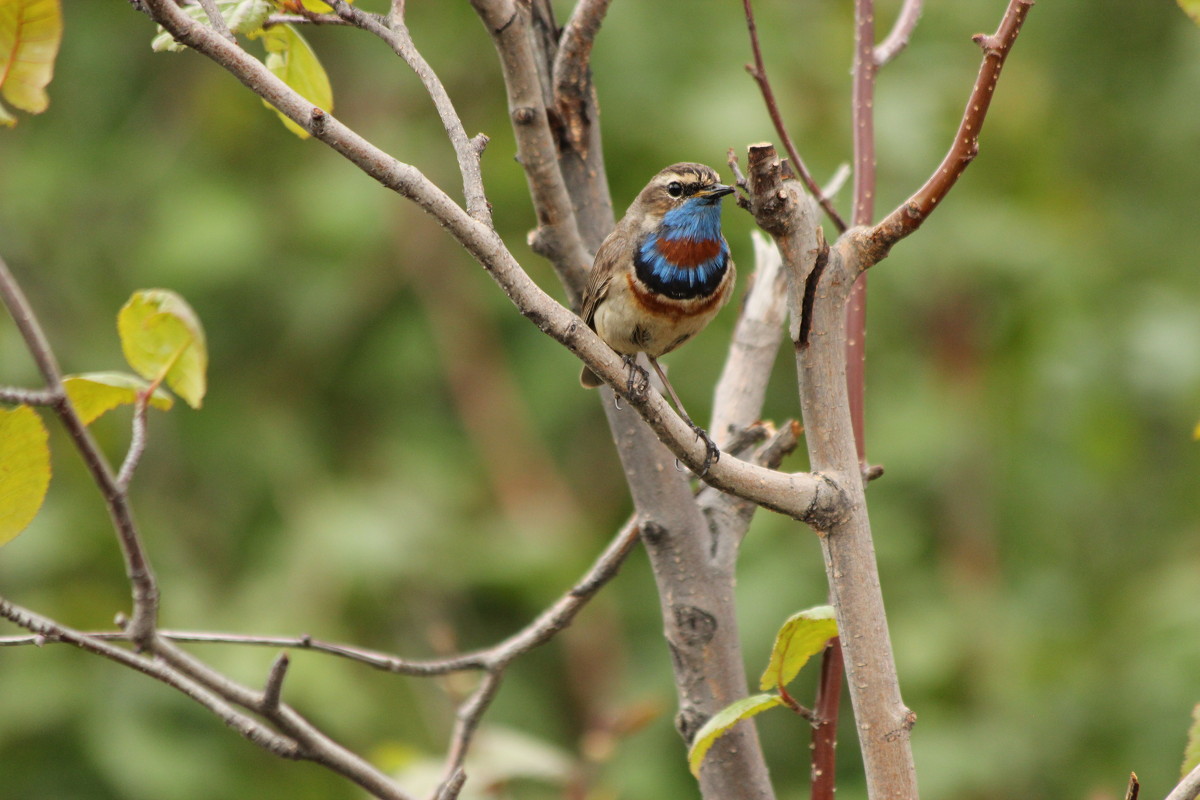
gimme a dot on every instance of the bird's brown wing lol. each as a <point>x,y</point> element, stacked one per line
<point>604,266</point>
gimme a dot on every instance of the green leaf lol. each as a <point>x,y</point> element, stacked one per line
<point>241,16</point>
<point>1191,754</point>
<point>24,469</point>
<point>30,33</point>
<point>293,61</point>
<point>803,635</point>
<point>722,721</point>
<point>1196,433</point>
<point>163,340</point>
<point>94,393</point>
<point>1192,9</point>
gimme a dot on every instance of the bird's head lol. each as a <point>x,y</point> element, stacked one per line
<point>684,189</point>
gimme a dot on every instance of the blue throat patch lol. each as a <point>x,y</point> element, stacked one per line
<point>697,220</point>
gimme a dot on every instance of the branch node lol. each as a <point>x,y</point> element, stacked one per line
<point>524,115</point>
<point>829,506</point>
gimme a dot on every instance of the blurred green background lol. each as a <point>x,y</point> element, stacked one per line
<point>390,456</point>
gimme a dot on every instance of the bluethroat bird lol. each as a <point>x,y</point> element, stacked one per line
<point>661,276</point>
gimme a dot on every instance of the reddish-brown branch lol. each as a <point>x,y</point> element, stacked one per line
<point>758,71</point>
<point>910,214</point>
<point>824,735</point>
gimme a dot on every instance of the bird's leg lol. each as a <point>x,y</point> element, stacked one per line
<point>713,453</point>
<point>638,380</point>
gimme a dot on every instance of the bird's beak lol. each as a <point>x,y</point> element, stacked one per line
<point>717,191</point>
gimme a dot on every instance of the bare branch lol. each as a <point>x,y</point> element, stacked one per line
<point>216,19</point>
<point>863,102</point>
<point>550,622</point>
<point>557,236</point>
<point>304,19</point>
<point>468,150</point>
<point>137,562</point>
<point>466,723</point>
<point>571,75</point>
<point>759,72</point>
<point>273,689</point>
<point>314,745</point>
<point>881,717</point>
<point>897,39</point>
<point>137,442</point>
<point>1188,788</point>
<point>29,397</point>
<point>452,786</point>
<point>742,387</point>
<point>910,214</point>
<point>247,726</point>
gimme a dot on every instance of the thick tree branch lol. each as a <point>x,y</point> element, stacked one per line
<point>557,236</point>
<point>883,720</point>
<point>571,75</point>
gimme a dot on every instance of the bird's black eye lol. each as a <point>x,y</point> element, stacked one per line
<point>675,189</point>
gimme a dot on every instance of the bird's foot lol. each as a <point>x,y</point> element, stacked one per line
<point>712,453</point>
<point>638,380</point>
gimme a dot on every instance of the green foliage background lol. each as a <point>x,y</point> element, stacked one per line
<point>388,455</point>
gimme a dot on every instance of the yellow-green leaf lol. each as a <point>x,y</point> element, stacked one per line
<point>804,635</point>
<point>30,32</point>
<point>1191,755</point>
<point>241,16</point>
<point>1196,432</point>
<point>293,61</point>
<point>94,393</point>
<point>1192,9</point>
<point>24,469</point>
<point>722,721</point>
<point>163,340</point>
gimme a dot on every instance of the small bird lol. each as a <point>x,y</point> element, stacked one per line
<point>661,276</point>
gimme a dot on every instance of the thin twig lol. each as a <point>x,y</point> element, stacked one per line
<point>467,723</point>
<point>304,19</point>
<point>29,397</point>
<point>137,441</point>
<point>137,562</point>
<point>451,787</point>
<point>550,622</point>
<point>467,150</point>
<point>216,19</point>
<point>315,745</point>
<point>247,726</point>
<point>273,690</point>
<point>759,72</point>
<point>897,39</point>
